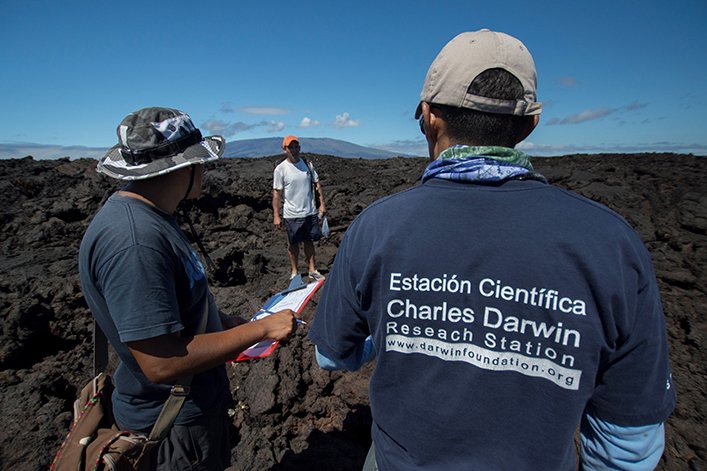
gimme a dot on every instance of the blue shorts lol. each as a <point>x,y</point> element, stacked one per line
<point>302,229</point>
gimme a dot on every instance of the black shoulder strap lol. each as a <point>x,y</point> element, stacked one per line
<point>310,172</point>
<point>178,393</point>
<point>100,349</point>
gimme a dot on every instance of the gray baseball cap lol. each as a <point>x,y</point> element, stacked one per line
<point>463,58</point>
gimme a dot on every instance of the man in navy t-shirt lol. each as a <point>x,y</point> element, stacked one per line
<point>505,313</point>
<point>147,289</point>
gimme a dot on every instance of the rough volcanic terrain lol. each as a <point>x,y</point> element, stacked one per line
<point>287,413</point>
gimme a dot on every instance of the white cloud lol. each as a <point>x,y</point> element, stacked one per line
<point>226,128</point>
<point>257,110</point>
<point>568,82</point>
<point>636,105</point>
<point>308,123</point>
<point>263,110</point>
<point>581,117</point>
<point>592,114</point>
<point>229,129</point>
<point>227,108</point>
<point>345,121</point>
<point>274,126</point>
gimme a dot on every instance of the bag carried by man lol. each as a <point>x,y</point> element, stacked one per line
<point>95,442</point>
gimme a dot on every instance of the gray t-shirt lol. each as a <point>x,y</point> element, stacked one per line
<point>142,279</point>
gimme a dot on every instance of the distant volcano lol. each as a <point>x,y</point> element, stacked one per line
<point>311,145</point>
<point>263,147</point>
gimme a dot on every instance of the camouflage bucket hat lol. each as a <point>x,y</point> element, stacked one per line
<point>156,141</point>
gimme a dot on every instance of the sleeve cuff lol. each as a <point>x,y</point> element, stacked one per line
<point>364,353</point>
<point>604,445</point>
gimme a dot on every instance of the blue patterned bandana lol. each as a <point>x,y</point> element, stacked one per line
<point>481,164</point>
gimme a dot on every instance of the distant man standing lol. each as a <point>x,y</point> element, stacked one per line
<point>295,183</point>
<point>505,312</point>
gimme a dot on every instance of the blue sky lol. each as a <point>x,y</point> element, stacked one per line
<point>614,76</point>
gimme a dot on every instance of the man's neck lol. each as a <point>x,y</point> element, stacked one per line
<point>137,196</point>
<point>444,144</point>
<point>151,194</point>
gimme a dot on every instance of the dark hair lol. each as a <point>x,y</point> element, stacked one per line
<point>487,129</point>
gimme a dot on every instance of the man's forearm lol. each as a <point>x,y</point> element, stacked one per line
<point>322,204</point>
<point>276,203</point>
<point>169,357</point>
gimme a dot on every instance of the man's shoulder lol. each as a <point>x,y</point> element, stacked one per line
<point>399,197</point>
<point>587,207</point>
<point>280,166</point>
<point>132,209</point>
<point>286,165</point>
<point>125,222</point>
<point>114,212</point>
<point>392,204</point>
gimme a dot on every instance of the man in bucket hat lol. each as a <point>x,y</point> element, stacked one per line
<point>505,311</point>
<point>147,289</point>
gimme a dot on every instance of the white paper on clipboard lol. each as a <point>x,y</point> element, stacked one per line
<point>292,298</point>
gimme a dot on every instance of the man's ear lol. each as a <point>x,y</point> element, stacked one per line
<point>531,123</point>
<point>434,128</point>
<point>435,120</point>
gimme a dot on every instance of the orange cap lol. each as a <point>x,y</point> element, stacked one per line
<point>288,139</point>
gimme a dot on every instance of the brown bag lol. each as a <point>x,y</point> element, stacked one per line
<point>94,441</point>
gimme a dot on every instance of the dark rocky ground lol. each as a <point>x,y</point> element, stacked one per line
<point>288,414</point>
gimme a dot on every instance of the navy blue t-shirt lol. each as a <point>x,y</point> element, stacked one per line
<point>500,314</point>
<point>142,279</point>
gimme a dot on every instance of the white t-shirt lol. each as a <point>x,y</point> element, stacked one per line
<point>294,180</point>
